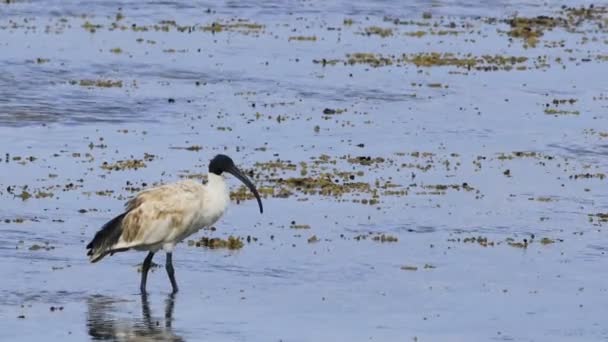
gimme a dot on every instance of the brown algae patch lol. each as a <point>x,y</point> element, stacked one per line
<point>523,243</point>
<point>543,199</point>
<point>243,26</point>
<point>554,108</point>
<point>46,247</point>
<point>130,164</point>
<point>91,27</point>
<point>378,31</point>
<point>439,59</point>
<point>24,195</point>
<point>480,240</point>
<point>415,268</point>
<point>385,238</point>
<point>43,194</point>
<point>417,34</point>
<point>377,237</point>
<point>531,29</point>
<point>236,25</point>
<point>98,83</point>
<point>409,268</point>
<point>276,165</point>
<point>598,175</point>
<point>517,244</point>
<point>372,59</point>
<point>194,148</point>
<point>546,241</point>
<point>312,179</point>
<point>434,59</point>
<point>571,19</point>
<point>601,217</point>
<point>441,189</point>
<point>16,220</point>
<point>295,225</point>
<point>366,160</point>
<point>41,60</point>
<point>231,243</point>
<point>523,154</point>
<point>313,239</point>
<point>303,38</point>
<point>358,179</point>
<point>556,112</point>
<point>484,62</point>
<point>330,111</point>
<point>324,184</point>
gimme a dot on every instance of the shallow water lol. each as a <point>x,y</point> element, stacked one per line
<point>516,253</point>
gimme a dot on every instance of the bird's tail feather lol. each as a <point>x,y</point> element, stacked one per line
<point>105,239</point>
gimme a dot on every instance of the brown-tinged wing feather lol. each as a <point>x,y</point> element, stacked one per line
<point>168,203</point>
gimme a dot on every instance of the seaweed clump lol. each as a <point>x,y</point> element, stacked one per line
<point>378,31</point>
<point>240,25</point>
<point>231,243</point>
<point>130,164</point>
<point>98,83</point>
<point>531,29</point>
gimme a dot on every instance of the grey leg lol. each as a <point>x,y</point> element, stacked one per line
<point>144,272</point>
<point>171,271</point>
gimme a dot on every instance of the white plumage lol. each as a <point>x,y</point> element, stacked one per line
<point>172,212</point>
<point>160,217</point>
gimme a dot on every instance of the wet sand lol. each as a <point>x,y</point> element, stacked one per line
<point>430,172</point>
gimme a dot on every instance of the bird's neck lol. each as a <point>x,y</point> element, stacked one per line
<point>217,192</point>
<point>216,184</point>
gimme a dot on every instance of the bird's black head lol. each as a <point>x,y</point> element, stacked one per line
<point>220,163</point>
<point>223,163</point>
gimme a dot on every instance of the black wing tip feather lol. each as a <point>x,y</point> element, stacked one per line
<point>98,258</point>
<point>105,238</point>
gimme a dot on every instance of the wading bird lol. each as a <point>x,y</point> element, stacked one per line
<point>160,217</point>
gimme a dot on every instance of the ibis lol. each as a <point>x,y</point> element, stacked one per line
<point>160,217</point>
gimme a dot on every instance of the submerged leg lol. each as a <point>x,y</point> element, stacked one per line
<point>145,311</point>
<point>144,272</point>
<point>169,304</point>
<point>171,271</point>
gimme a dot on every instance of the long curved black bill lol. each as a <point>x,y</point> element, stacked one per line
<point>238,174</point>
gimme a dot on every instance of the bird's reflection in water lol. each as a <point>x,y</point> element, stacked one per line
<point>103,324</point>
